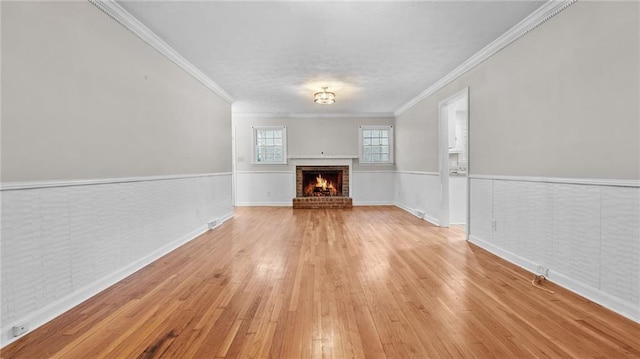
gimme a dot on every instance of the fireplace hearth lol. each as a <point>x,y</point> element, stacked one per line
<point>322,187</point>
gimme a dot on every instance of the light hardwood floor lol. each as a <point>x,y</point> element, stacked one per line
<point>370,282</point>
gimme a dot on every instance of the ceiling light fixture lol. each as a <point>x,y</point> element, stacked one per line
<point>324,97</point>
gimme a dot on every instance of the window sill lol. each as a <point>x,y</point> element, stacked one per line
<point>269,163</point>
<point>376,163</point>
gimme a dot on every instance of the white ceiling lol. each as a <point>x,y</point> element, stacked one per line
<point>376,56</point>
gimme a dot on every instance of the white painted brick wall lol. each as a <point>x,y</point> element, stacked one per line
<point>59,241</point>
<point>419,192</point>
<point>587,235</point>
<point>278,188</point>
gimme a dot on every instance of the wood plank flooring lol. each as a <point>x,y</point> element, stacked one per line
<point>369,282</point>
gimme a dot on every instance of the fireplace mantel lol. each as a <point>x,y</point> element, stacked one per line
<point>318,157</point>
<point>322,161</point>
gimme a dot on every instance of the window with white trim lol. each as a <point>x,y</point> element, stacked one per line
<point>376,144</point>
<point>269,145</point>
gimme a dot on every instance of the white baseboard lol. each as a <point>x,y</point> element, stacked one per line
<point>506,255</point>
<point>408,209</point>
<point>416,213</point>
<point>373,203</point>
<point>431,219</point>
<point>53,310</point>
<point>608,301</point>
<point>223,219</point>
<point>290,204</point>
<point>265,204</point>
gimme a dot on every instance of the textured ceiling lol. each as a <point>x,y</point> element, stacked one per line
<point>376,56</point>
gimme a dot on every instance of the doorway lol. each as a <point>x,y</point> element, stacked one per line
<point>454,159</point>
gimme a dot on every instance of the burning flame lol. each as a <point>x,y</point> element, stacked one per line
<point>321,182</point>
<point>321,186</point>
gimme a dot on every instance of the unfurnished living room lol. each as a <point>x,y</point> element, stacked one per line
<point>320,179</point>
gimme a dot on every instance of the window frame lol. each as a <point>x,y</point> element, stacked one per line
<point>254,157</point>
<point>363,128</point>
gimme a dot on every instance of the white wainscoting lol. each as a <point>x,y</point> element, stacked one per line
<point>265,188</point>
<point>62,244</point>
<point>373,187</point>
<point>457,199</point>
<point>277,188</point>
<point>586,234</point>
<point>419,193</point>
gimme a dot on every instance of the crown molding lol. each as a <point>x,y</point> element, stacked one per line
<point>124,18</point>
<point>550,9</point>
<point>266,115</point>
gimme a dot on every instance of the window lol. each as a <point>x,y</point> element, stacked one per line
<point>269,145</point>
<point>376,144</point>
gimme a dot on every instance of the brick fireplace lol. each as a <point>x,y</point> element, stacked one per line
<point>322,187</point>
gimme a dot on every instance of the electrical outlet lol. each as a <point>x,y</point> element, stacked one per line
<point>494,225</point>
<point>20,329</point>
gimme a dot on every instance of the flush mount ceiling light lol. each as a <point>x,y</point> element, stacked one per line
<point>324,97</point>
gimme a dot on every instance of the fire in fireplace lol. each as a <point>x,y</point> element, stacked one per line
<point>322,187</point>
<point>322,183</point>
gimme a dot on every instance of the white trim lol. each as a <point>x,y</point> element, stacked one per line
<point>234,165</point>
<point>264,172</point>
<point>390,145</point>
<point>407,209</point>
<point>373,203</point>
<point>431,220</point>
<point>88,182</point>
<point>375,171</point>
<point>254,131</point>
<point>443,151</point>
<point>124,18</point>
<point>265,204</point>
<point>624,308</point>
<point>538,17</point>
<point>290,204</point>
<point>52,310</point>
<point>311,157</point>
<point>584,181</point>
<point>419,173</point>
<point>414,212</point>
<point>266,115</point>
<point>323,161</point>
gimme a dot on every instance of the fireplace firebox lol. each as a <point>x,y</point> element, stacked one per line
<point>321,183</point>
<point>322,187</point>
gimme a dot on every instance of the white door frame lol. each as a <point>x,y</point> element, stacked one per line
<point>444,156</point>
<point>234,165</point>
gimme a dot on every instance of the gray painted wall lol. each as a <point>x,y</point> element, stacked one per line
<point>306,137</point>
<point>560,102</point>
<point>84,98</point>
